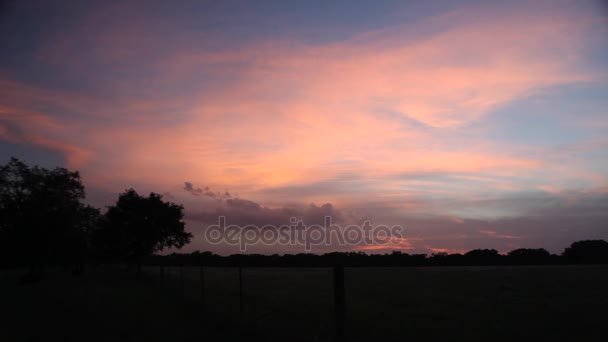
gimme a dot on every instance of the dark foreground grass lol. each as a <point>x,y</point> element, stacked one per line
<point>104,305</point>
<point>389,304</point>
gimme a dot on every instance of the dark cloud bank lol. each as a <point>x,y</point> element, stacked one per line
<point>552,222</point>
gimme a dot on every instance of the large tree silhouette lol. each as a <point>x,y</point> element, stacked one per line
<point>587,251</point>
<point>41,214</point>
<point>137,226</point>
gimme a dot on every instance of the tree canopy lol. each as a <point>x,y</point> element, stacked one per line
<point>587,251</point>
<point>41,212</point>
<point>137,226</point>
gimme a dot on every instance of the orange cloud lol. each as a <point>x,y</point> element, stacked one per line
<point>493,234</point>
<point>445,250</point>
<point>25,127</point>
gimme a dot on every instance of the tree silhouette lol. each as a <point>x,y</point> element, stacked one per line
<point>89,220</point>
<point>482,257</point>
<point>40,214</point>
<point>137,226</point>
<point>530,256</point>
<point>587,251</point>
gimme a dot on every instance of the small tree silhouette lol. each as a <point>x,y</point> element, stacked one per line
<point>137,226</point>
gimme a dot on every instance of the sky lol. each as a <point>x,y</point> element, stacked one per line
<point>472,124</point>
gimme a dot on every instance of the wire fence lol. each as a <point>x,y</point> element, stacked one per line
<point>264,299</point>
<point>357,304</point>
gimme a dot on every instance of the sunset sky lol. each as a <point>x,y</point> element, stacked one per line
<point>473,124</point>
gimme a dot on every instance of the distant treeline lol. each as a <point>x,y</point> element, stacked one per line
<point>45,221</point>
<point>580,252</point>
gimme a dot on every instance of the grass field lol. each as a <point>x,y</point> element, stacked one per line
<point>389,304</point>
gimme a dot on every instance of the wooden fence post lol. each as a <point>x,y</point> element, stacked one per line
<point>162,271</point>
<point>202,282</point>
<point>339,302</point>
<point>181,279</point>
<point>241,304</point>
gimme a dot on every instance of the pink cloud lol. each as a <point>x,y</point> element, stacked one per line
<point>40,130</point>
<point>382,103</point>
<point>493,234</point>
<point>445,250</point>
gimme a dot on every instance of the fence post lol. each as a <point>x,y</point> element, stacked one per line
<point>339,301</point>
<point>162,271</point>
<point>202,282</point>
<point>241,304</point>
<point>181,279</point>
